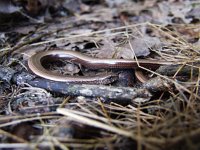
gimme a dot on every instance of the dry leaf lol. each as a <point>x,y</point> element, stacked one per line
<point>140,46</point>
<point>7,7</point>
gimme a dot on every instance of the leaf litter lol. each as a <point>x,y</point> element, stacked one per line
<point>34,118</point>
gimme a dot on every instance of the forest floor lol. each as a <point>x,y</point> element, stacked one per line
<point>148,107</point>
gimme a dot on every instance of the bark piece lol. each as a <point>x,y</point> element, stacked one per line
<point>157,84</point>
<point>6,73</point>
<point>110,92</point>
<point>172,69</point>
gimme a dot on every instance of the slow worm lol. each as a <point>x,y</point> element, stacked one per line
<point>36,64</point>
